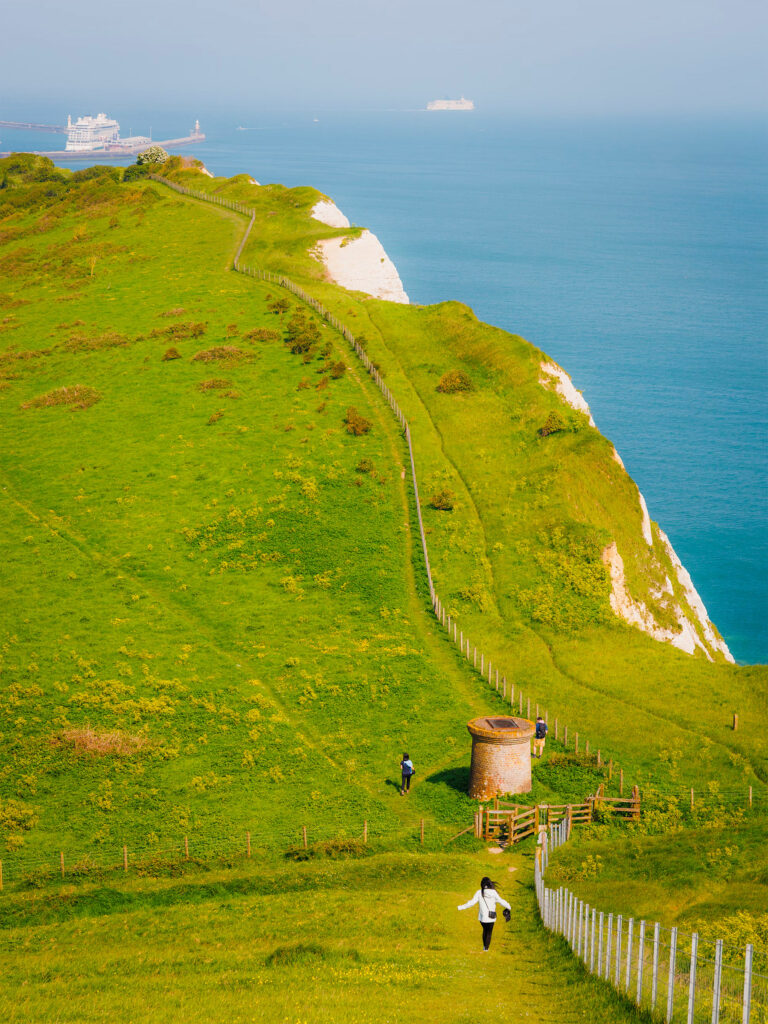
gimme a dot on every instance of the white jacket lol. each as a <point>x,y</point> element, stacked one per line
<point>486,901</point>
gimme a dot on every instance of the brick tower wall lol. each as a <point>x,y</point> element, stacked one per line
<point>499,767</point>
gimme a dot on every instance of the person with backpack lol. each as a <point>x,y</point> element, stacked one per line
<point>406,770</point>
<point>540,738</point>
<point>486,898</point>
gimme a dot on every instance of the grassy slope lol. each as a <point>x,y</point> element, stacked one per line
<point>699,878</point>
<point>372,941</point>
<point>203,583</point>
<point>236,591</point>
<point>517,561</point>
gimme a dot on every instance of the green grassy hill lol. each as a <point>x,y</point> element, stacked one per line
<point>216,618</point>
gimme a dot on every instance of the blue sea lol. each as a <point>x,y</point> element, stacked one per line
<point>634,252</point>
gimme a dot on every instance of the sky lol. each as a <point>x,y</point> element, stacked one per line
<point>519,56</point>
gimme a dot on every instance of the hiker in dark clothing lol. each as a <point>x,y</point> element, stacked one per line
<point>407,770</point>
<point>541,736</point>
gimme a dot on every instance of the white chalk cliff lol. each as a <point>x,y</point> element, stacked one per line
<point>694,629</point>
<point>360,264</point>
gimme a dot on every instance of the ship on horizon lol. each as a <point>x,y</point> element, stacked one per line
<point>99,135</point>
<point>460,104</point>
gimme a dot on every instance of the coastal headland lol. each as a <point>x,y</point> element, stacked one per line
<point>268,525</point>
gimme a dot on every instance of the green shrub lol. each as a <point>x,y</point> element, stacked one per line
<point>98,171</point>
<point>553,424</point>
<point>453,381</point>
<point>135,173</point>
<point>302,335</point>
<point>338,370</point>
<point>355,423</point>
<point>333,849</point>
<point>443,500</point>
<point>261,334</point>
<point>365,466</point>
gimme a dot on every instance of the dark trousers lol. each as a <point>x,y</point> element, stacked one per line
<point>487,933</point>
<point>406,783</point>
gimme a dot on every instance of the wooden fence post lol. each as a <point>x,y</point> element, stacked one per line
<point>586,747</point>
<point>304,835</point>
<point>61,862</point>
<point>576,744</point>
<point>248,845</point>
<point>735,721</point>
<point>421,839</point>
<point>691,797</point>
<point>504,691</point>
<point>365,832</point>
<point>610,769</point>
<point>557,729</point>
<point>186,848</point>
<point>599,758</point>
<point>565,737</point>
<point>750,796</point>
<point>125,858</point>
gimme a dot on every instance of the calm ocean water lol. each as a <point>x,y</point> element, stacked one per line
<point>634,253</point>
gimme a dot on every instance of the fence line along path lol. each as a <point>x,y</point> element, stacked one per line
<point>675,975</point>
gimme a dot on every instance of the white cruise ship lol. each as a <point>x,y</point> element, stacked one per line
<point>461,104</point>
<point>90,134</point>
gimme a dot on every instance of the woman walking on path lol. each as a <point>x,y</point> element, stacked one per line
<point>486,897</point>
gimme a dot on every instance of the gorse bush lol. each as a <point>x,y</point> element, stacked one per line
<point>261,334</point>
<point>180,331</point>
<point>355,423</point>
<point>78,397</point>
<point>220,353</point>
<point>455,380</point>
<point>553,424</point>
<point>443,500</point>
<point>302,335</point>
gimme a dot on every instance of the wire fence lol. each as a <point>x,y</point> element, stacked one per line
<point>675,975</point>
<point>236,846</point>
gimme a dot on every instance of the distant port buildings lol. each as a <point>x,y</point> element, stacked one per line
<point>99,135</point>
<point>460,104</point>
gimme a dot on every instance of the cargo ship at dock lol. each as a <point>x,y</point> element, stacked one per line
<point>99,136</point>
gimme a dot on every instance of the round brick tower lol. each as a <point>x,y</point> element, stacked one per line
<point>501,756</point>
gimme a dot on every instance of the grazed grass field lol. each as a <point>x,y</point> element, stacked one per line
<point>371,941</point>
<point>214,622</point>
